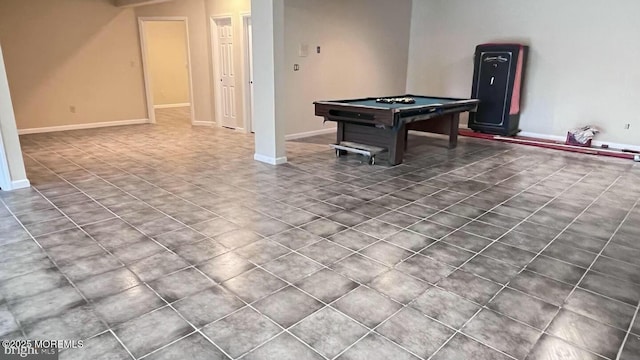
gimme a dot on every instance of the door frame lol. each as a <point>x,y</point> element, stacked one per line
<point>145,66</point>
<point>247,100</point>
<point>5,175</point>
<point>215,66</point>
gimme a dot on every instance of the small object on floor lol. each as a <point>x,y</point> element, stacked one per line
<point>396,100</point>
<point>581,136</point>
<point>604,146</point>
<point>366,150</point>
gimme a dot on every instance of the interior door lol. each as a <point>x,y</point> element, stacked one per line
<point>226,73</point>
<point>250,59</point>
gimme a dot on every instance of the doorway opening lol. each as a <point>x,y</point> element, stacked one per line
<point>167,70</point>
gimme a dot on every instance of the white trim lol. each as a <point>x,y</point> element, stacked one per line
<point>203,123</point>
<point>167,106</point>
<point>596,143</point>
<point>20,184</point>
<point>310,133</point>
<point>270,160</point>
<point>82,126</point>
<point>246,71</point>
<point>147,76</point>
<point>5,174</point>
<point>130,4</point>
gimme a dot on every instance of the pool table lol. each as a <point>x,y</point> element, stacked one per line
<point>366,121</point>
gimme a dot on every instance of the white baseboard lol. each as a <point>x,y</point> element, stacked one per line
<point>82,126</point>
<point>310,133</point>
<point>20,184</point>
<point>594,143</point>
<point>203,123</point>
<point>270,160</point>
<point>167,106</point>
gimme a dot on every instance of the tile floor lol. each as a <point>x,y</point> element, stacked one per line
<point>169,242</point>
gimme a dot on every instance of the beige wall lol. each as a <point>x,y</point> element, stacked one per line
<point>166,46</point>
<point>67,53</point>
<point>195,12</point>
<point>364,47</point>
<point>583,62</point>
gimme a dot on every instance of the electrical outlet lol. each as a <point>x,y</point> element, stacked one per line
<point>627,126</point>
<point>296,67</point>
<point>72,109</point>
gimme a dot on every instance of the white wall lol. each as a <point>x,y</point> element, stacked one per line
<point>12,172</point>
<point>364,49</point>
<point>584,66</point>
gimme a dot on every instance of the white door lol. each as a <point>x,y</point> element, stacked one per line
<point>226,73</point>
<point>250,60</point>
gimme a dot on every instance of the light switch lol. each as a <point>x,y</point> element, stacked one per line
<point>318,49</point>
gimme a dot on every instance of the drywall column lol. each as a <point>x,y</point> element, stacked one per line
<point>12,161</point>
<point>268,80</point>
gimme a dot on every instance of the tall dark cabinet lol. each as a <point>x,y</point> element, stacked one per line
<point>498,80</point>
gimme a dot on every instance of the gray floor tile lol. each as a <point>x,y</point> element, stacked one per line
<point>225,267</point>
<point>527,309</point>
<point>7,321</point>
<point>610,312</point>
<point>502,333</point>
<point>348,218</point>
<point>237,238</point>
<point>198,252</point>
<point>194,347</point>
<point>177,238</point>
<point>386,253</point>
<point>325,252</point>
<point>353,239</point>
<point>462,348</point>
<point>327,285</point>
<point>108,283</point>
<point>555,269</point>
<point>467,241</point>
<point>470,286</point>
<point>359,268</point>
<point>619,269</point>
<point>77,323</point>
<point>611,287</point>
<point>208,306</point>
<point>323,227</point>
<point>241,332</point>
<point>152,331</point>
<point>292,267</point>
<point>253,285</point>
<point>410,240</point>
<point>180,284</point>
<point>288,306</point>
<point>509,254</point>
<point>547,289</point>
<point>157,265</point>
<point>32,283</point>
<point>398,219</point>
<point>375,347</point>
<point>367,306</point>
<point>491,269</point>
<point>399,286</point>
<point>329,332</point>
<point>127,305</point>
<point>631,348</point>
<point>283,347</point>
<point>550,347</point>
<point>431,229</point>
<point>295,238</point>
<point>415,332</point>
<point>447,254</point>
<point>570,254</point>
<point>424,268</point>
<point>525,242</point>
<point>263,251</point>
<point>97,347</point>
<point>586,333</point>
<point>46,304</point>
<point>445,307</point>
<point>215,227</point>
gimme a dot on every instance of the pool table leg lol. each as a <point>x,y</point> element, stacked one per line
<point>398,145</point>
<point>454,124</point>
